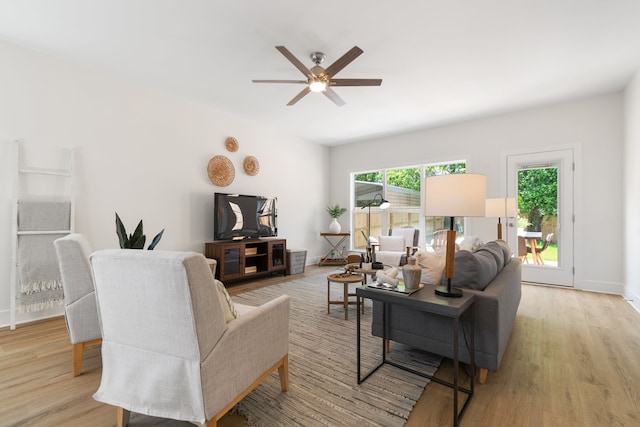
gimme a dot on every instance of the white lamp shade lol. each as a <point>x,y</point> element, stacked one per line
<point>501,207</point>
<point>455,195</point>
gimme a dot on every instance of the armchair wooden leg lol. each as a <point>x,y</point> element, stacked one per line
<point>482,375</point>
<point>78,351</point>
<point>122,417</point>
<point>387,344</point>
<point>283,373</point>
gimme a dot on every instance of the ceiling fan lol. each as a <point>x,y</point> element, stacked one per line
<point>321,79</point>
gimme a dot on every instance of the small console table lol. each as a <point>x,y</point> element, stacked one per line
<point>426,300</point>
<point>334,256</point>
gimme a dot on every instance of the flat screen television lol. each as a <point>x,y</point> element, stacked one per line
<point>239,216</point>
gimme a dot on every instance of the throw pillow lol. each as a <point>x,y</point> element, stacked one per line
<point>229,309</point>
<point>392,243</point>
<point>471,243</point>
<point>432,266</point>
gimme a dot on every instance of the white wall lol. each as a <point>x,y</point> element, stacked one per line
<point>631,186</point>
<point>593,126</point>
<point>144,154</point>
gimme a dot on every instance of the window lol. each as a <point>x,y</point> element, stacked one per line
<point>402,188</point>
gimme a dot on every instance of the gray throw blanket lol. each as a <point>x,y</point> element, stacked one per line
<point>39,285</point>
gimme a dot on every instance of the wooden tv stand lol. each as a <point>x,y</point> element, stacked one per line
<point>244,259</point>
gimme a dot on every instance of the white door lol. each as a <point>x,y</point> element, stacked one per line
<point>547,209</point>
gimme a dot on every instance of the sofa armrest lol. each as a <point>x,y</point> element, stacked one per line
<point>496,307</point>
<point>252,343</point>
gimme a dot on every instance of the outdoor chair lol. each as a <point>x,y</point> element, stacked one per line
<point>523,250</point>
<point>538,258</point>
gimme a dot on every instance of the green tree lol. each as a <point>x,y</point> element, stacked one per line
<point>405,178</point>
<point>369,177</point>
<point>450,168</point>
<point>537,195</point>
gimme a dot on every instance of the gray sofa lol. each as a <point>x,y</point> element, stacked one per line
<point>495,311</point>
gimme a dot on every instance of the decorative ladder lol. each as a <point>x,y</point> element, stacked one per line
<point>23,171</point>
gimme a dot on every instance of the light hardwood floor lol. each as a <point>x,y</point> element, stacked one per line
<point>573,360</point>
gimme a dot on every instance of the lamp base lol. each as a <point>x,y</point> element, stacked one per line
<point>445,291</point>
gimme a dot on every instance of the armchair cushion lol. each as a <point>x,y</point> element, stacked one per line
<point>392,243</point>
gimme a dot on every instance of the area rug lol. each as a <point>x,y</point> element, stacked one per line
<point>323,387</point>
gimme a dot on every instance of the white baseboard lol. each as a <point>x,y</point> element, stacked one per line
<point>632,298</point>
<point>602,287</point>
<point>5,316</point>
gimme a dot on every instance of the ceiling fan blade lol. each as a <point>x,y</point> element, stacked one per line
<point>299,96</point>
<point>299,65</point>
<point>343,61</point>
<point>280,81</point>
<point>355,82</point>
<point>329,93</point>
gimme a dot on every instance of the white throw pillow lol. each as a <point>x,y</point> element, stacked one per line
<point>471,243</point>
<point>392,243</point>
<point>230,312</point>
<point>432,266</point>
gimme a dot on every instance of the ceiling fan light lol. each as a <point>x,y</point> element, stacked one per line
<point>318,86</point>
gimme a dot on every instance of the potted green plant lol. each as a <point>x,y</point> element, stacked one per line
<point>135,240</point>
<point>335,212</point>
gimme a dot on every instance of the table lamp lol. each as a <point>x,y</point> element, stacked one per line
<point>501,207</point>
<point>454,195</point>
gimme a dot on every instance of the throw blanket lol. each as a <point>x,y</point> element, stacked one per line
<point>39,285</point>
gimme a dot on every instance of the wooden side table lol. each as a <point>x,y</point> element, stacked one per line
<point>334,256</point>
<point>345,279</point>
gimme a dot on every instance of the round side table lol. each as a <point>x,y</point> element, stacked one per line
<point>345,279</point>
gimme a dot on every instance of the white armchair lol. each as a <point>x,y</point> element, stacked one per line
<point>395,248</point>
<point>80,312</point>
<point>167,350</point>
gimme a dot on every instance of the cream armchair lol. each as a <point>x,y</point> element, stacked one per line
<point>80,312</point>
<point>167,350</point>
<point>397,247</point>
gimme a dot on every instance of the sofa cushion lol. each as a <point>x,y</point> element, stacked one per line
<point>474,270</point>
<point>494,249</point>
<point>432,266</point>
<point>506,250</point>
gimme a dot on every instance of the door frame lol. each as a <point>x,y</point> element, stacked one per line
<point>571,280</point>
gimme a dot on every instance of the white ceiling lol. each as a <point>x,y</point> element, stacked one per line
<point>440,60</point>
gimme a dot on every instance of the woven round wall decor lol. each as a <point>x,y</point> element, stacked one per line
<point>221,171</point>
<point>232,144</point>
<point>251,165</point>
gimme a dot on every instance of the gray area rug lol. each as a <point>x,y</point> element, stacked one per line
<point>323,386</point>
<point>323,389</point>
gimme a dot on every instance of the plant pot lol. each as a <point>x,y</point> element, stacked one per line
<point>335,227</point>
